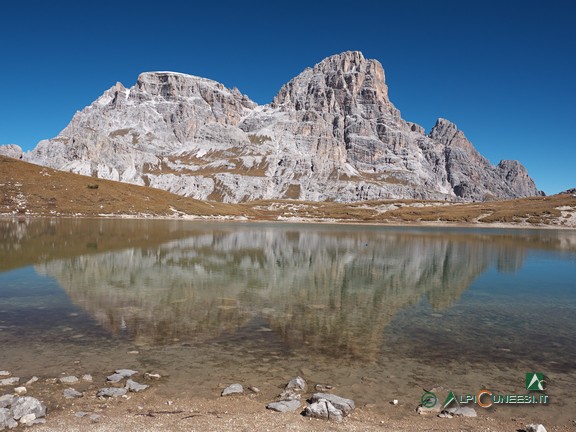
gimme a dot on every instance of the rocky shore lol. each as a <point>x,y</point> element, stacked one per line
<point>121,401</point>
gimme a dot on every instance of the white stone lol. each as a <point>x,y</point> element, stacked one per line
<point>27,419</point>
<point>324,409</point>
<point>233,389</point>
<point>69,379</point>
<point>344,405</point>
<point>20,390</point>
<point>133,386</point>
<point>284,405</point>
<point>462,411</point>
<point>32,380</point>
<point>9,381</point>
<point>535,428</point>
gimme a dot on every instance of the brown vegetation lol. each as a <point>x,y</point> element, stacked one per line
<point>32,190</point>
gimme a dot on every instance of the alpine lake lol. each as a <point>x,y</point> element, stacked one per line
<point>379,313</point>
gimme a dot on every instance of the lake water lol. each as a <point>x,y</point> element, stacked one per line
<point>380,313</point>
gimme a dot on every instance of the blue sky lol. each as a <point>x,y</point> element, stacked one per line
<point>503,71</point>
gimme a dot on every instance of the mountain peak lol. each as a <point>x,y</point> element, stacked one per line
<point>330,134</point>
<point>334,82</point>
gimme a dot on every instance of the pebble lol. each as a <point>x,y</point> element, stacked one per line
<point>233,389</point>
<point>32,380</point>
<point>95,418</point>
<point>80,414</point>
<point>126,373</point>
<point>463,412</point>
<point>68,379</point>
<point>112,392</point>
<point>71,393</point>
<point>323,387</point>
<point>20,390</point>
<point>254,389</point>
<point>87,378</point>
<point>152,375</point>
<point>4,373</point>
<point>395,402</point>
<point>51,381</point>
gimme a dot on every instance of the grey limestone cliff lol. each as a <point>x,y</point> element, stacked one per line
<point>331,133</point>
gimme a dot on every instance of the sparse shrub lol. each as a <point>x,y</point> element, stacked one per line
<point>259,139</point>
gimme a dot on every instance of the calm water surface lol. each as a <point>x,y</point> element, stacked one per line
<point>380,313</point>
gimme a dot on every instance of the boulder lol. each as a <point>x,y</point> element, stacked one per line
<point>284,405</point>
<point>342,404</point>
<point>323,409</point>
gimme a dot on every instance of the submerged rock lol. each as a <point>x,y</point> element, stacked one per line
<point>296,384</point>
<point>154,376</point>
<point>284,405</point>
<point>324,409</point>
<point>126,373</point>
<point>114,378</point>
<point>342,404</point>
<point>133,386</point>
<point>233,389</point>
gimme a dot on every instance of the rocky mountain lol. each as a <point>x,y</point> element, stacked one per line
<point>331,133</point>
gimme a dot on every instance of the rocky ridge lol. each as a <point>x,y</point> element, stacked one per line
<point>331,133</point>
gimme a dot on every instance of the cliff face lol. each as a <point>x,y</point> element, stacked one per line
<point>331,133</point>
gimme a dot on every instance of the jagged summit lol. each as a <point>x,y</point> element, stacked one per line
<point>331,133</point>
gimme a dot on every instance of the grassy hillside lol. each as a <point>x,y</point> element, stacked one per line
<point>32,190</point>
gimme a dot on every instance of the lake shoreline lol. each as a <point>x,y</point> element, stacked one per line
<point>301,220</point>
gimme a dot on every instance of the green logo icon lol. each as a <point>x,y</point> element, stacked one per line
<point>428,400</point>
<point>535,381</point>
<point>449,399</point>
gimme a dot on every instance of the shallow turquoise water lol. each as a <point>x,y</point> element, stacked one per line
<point>226,298</point>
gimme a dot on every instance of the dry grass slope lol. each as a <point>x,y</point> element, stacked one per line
<point>32,190</point>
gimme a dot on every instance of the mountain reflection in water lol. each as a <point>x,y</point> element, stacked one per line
<point>332,289</point>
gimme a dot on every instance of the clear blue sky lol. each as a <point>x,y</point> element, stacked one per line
<point>503,71</point>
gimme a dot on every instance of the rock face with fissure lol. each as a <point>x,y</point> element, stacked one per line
<point>331,133</point>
